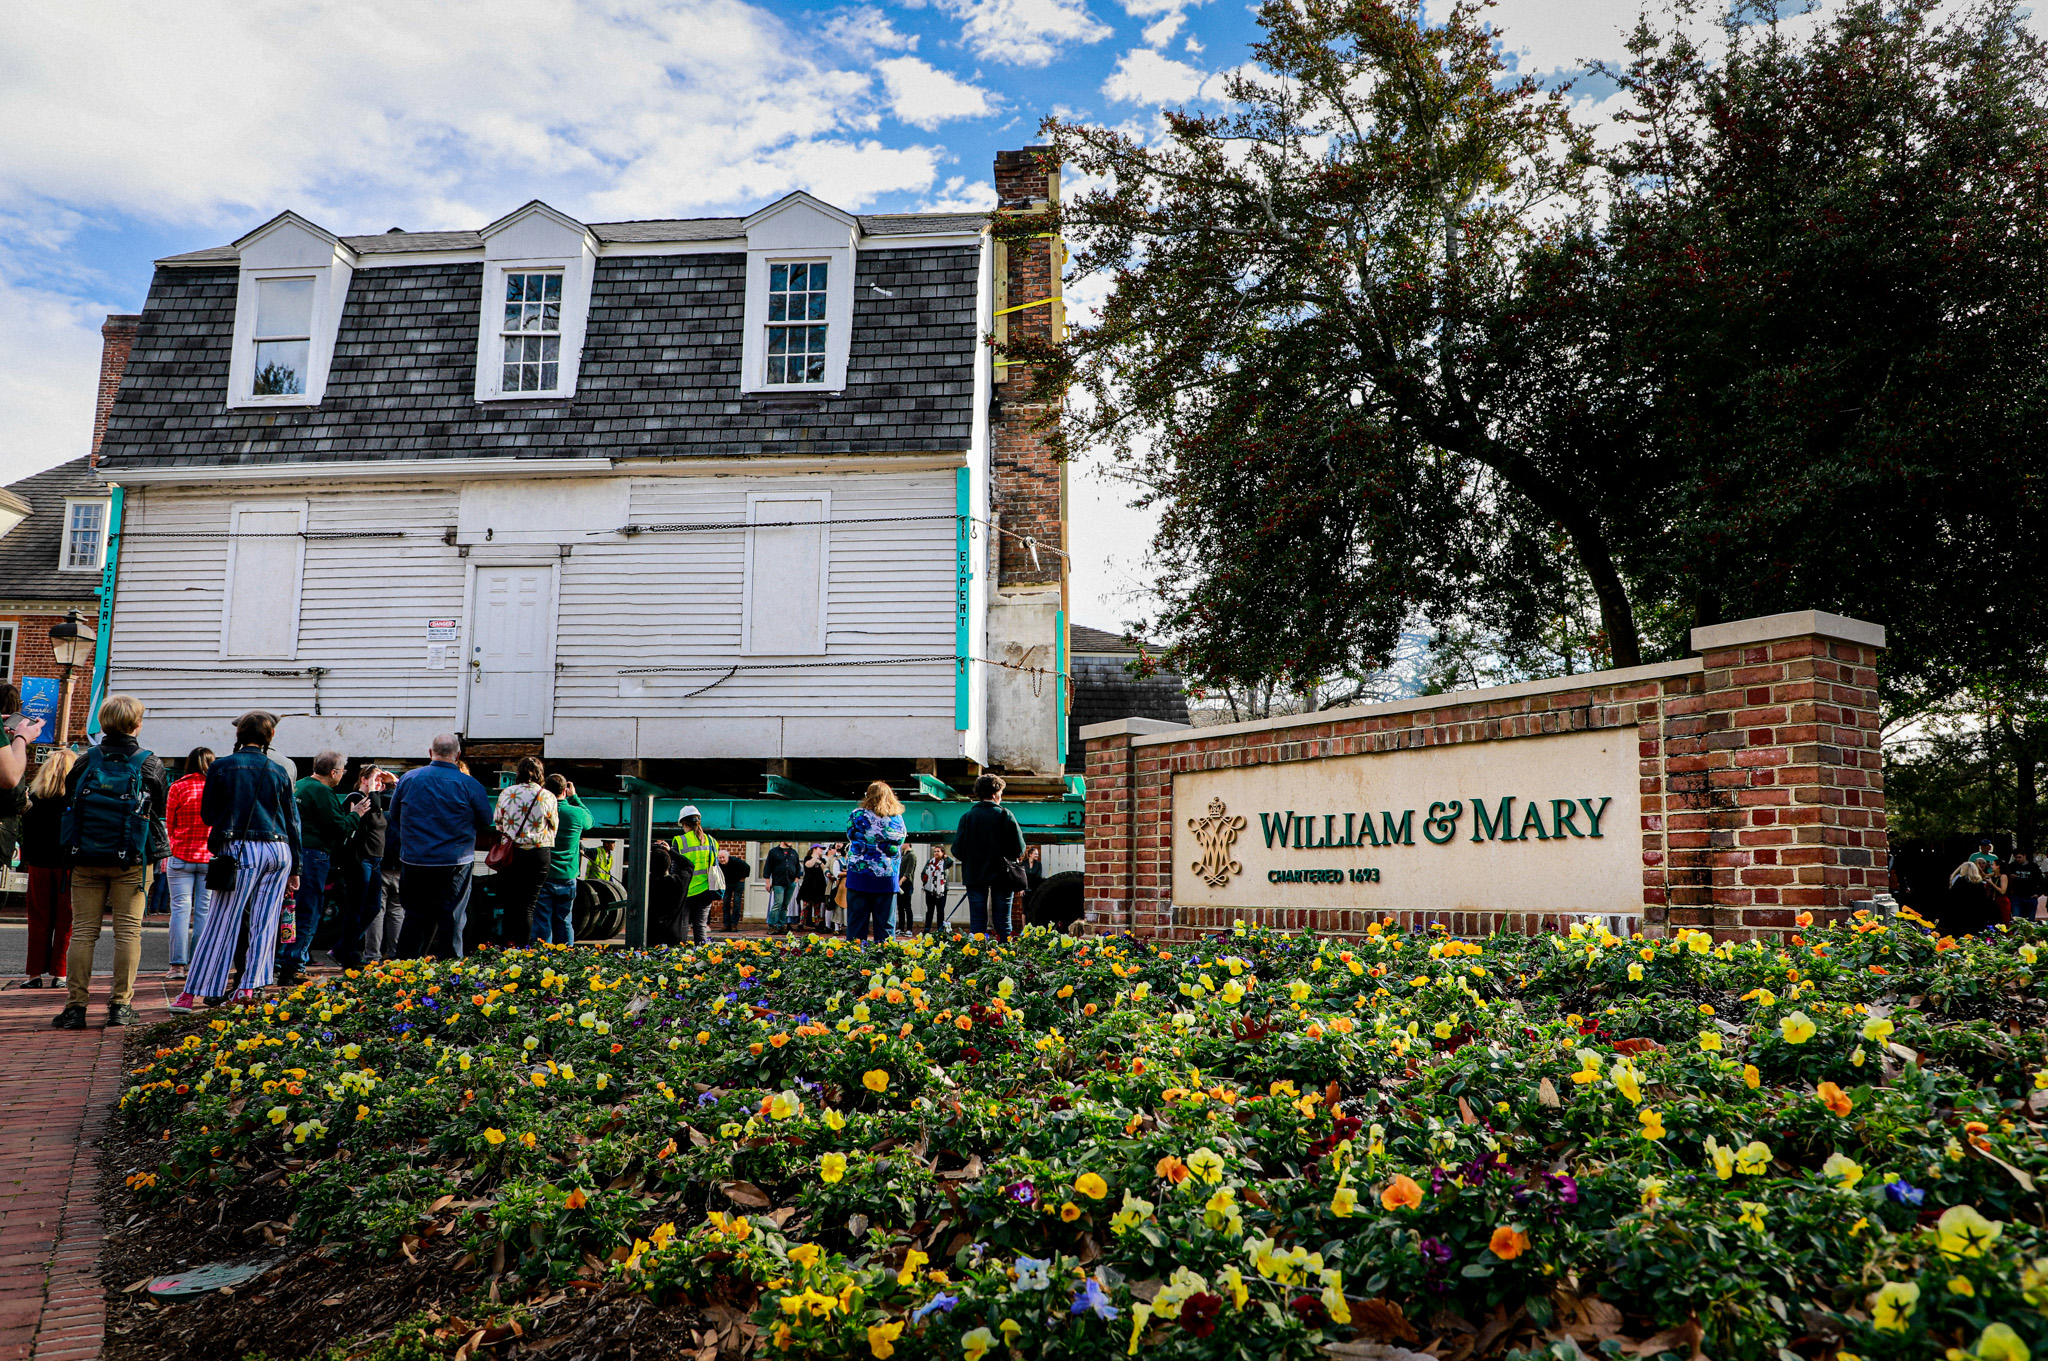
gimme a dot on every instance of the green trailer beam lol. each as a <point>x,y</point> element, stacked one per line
<point>1057,820</point>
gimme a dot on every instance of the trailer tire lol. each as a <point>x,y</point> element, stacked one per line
<point>1056,902</point>
<point>598,914</point>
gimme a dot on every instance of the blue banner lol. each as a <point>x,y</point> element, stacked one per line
<point>39,698</point>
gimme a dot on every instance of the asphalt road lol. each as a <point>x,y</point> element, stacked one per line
<point>156,949</point>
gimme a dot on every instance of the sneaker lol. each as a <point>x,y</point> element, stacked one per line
<point>36,982</point>
<point>287,978</point>
<point>71,1018</point>
<point>216,1001</point>
<point>120,1013</point>
<point>245,995</point>
<point>185,1004</point>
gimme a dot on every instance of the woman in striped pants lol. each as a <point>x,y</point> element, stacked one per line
<point>248,804</point>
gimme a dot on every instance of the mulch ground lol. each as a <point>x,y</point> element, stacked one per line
<point>319,1297</point>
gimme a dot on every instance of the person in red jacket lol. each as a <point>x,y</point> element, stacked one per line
<point>185,870</point>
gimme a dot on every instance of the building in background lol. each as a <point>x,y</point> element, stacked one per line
<point>1107,689</point>
<point>701,501</point>
<point>53,545</point>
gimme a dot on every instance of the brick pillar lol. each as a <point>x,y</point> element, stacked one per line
<point>1028,488</point>
<point>1794,769</point>
<point>1121,830</point>
<point>117,338</point>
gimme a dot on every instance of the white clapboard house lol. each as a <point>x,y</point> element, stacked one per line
<point>679,491</point>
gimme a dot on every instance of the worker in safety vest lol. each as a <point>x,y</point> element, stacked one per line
<point>696,852</point>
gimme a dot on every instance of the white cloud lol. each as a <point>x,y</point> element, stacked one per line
<point>1546,35</point>
<point>225,110</point>
<point>1024,32</point>
<point>1194,46</point>
<point>867,30</point>
<point>1143,76</point>
<point>1161,33</point>
<point>49,356</point>
<point>924,96</point>
<point>961,195</point>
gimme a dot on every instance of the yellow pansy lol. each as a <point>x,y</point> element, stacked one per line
<point>1653,1124</point>
<point>1893,1305</point>
<point>1752,1158</point>
<point>1710,1043</point>
<point>494,1136</point>
<point>805,1255</point>
<point>1843,1169</point>
<point>1877,1030</point>
<point>1723,1156</point>
<point>784,1105</point>
<point>1751,1078</point>
<point>1207,1164</point>
<point>834,1121</point>
<point>1344,1202</point>
<point>1753,1212</point>
<point>2000,1343</point>
<point>1797,1028</point>
<point>977,1343</point>
<point>832,1168</point>
<point>1091,1186</point>
<point>912,1260</point>
<point>875,1080</point>
<point>882,1339</point>
<point>1963,1232</point>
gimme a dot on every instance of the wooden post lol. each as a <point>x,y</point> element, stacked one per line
<point>639,855</point>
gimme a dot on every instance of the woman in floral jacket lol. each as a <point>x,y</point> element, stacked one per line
<point>874,858</point>
<point>527,817</point>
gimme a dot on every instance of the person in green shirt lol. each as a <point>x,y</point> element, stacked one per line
<point>696,853</point>
<point>554,912</point>
<point>326,822</point>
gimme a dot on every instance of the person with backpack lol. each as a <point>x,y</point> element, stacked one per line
<point>48,867</point>
<point>253,834</point>
<point>113,832</point>
<point>989,847</point>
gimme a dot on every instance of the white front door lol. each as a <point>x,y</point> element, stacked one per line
<point>512,653</point>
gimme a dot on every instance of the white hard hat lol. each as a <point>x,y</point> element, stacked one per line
<point>689,811</point>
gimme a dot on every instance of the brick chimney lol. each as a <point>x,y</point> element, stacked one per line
<point>117,338</point>
<point>1029,484</point>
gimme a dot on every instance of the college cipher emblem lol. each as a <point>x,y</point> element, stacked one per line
<point>1216,834</point>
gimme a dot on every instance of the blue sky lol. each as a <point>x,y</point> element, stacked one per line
<point>138,129</point>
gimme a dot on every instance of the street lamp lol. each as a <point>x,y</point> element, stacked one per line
<point>70,644</point>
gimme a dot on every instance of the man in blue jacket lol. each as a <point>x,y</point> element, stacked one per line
<point>437,813</point>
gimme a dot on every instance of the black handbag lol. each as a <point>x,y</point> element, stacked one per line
<point>1015,878</point>
<point>222,868</point>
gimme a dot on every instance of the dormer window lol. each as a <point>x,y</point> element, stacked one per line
<point>799,308</point>
<point>539,268</point>
<point>289,298</point>
<point>796,294</point>
<point>284,336</point>
<point>533,332</point>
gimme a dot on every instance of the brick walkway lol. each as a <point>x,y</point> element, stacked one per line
<point>54,1099</point>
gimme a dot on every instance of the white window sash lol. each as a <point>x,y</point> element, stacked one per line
<point>64,563</point>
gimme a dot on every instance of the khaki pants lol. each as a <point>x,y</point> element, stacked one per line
<point>94,889</point>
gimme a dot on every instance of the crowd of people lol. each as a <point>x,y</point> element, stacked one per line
<point>869,886</point>
<point>1985,891</point>
<point>254,862</point>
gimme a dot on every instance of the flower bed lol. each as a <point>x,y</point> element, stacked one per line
<point>1085,1147</point>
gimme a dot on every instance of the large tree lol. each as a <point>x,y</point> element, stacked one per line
<point>1387,341</point>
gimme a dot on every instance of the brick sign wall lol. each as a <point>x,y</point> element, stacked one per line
<point>1759,795</point>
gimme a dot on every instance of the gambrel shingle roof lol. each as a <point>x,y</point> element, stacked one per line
<point>659,376</point>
